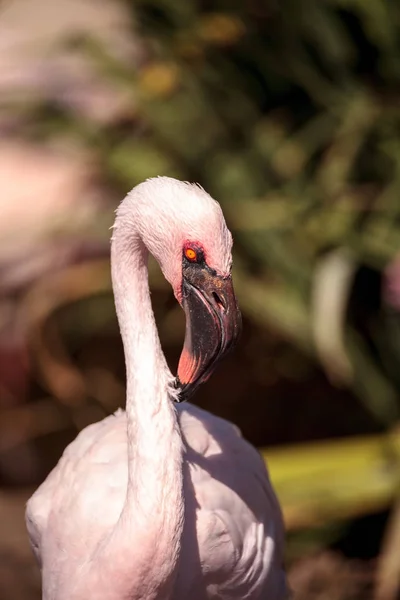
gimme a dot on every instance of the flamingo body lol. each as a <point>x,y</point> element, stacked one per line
<point>232,537</point>
<point>164,501</point>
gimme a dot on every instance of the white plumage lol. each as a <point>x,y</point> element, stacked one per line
<point>164,501</point>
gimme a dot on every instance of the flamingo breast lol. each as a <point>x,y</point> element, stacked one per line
<point>233,534</point>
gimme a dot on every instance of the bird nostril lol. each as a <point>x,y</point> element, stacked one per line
<point>218,301</point>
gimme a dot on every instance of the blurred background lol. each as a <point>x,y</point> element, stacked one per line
<point>288,112</point>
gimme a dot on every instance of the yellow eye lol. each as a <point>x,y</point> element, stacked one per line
<point>190,254</point>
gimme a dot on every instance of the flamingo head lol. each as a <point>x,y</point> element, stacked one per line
<point>187,234</point>
<point>213,319</point>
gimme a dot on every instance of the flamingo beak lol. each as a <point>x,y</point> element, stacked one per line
<point>213,326</point>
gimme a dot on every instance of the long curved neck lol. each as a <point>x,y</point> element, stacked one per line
<point>152,520</point>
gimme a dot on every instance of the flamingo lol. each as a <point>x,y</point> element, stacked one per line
<point>163,501</point>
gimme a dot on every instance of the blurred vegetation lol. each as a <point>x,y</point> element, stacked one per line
<point>289,114</point>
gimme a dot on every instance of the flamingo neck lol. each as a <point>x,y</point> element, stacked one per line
<point>152,520</point>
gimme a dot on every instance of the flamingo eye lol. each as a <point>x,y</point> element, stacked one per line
<point>191,254</point>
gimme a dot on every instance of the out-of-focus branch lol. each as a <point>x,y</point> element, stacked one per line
<point>321,482</point>
<point>388,572</point>
<point>74,283</point>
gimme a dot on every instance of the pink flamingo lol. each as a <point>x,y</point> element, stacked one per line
<point>163,501</point>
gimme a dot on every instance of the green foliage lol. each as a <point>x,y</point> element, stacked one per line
<point>289,114</point>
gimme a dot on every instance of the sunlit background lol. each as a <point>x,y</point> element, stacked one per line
<point>288,112</point>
